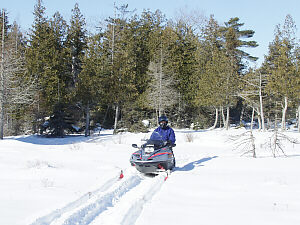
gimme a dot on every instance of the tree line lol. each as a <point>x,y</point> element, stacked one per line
<point>61,78</point>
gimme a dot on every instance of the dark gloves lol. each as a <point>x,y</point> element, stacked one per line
<point>170,143</point>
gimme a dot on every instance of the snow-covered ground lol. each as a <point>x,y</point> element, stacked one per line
<point>75,180</point>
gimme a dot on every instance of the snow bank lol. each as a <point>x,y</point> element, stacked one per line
<point>75,180</point>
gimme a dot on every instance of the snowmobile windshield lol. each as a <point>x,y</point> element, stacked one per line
<point>156,140</point>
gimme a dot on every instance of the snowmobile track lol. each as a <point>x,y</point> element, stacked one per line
<point>118,201</point>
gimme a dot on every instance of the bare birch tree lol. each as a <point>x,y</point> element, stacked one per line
<point>14,88</point>
<point>161,94</point>
<point>245,142</point>
<point>252,93</point>
<point>298,112</point>
<point>276,140</point>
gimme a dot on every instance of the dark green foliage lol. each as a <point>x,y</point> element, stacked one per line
<point>132,119</point>
<point>203,121</point>
<point>138,127</point>
<point>46,60</point>
<point>76,43</point>
<point>60,122</point>
<point>233,35</point>
<point>82,79</point>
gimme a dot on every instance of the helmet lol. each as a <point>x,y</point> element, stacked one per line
<point>161,119</point>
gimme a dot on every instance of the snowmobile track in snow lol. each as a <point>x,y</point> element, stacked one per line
<point>118,201</point>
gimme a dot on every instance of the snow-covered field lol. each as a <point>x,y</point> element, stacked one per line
<point>75,180</point>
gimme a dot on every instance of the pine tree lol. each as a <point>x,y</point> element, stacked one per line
<point>46,59</point>
<point>70,45</point>
<point>281,66</point>
<point>161,93</point>
<point>210,76</point>
<point>232,36</point>
<point>89,87</point>
<point>138,36</point>
<point>181,64</point>
<point>36,61</point>
<point>121,81</point>
<point>76,42</point>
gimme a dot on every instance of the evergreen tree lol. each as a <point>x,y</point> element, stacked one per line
<point>161,93</point>
<point>181,65</point>
<point>89,87</point>
<point>36,61</point>
<point>61,76</point>
<point>138,36</point>
<point>139,51</point>
<point>281,65</point>
<point>76,42</point>
<point>232,35</point>
<point>46,59</point>
<point>122,77</point>
<point>210,76</point>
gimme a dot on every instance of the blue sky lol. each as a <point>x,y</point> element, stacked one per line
<point>259,15</point>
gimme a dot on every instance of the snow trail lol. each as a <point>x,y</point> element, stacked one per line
<point>89,212</point>
<point>118,201</point>
<point>128,208</point>
<point>137,206</point>
<point>59,213</point>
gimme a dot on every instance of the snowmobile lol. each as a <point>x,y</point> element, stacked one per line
<point>154,156</point>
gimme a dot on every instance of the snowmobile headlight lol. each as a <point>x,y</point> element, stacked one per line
<point>149,150</point>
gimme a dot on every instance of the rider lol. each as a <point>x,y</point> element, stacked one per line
<point>165,131</point>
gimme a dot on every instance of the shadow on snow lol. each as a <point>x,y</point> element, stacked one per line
<point>190,166</point>
<point>68,139</point>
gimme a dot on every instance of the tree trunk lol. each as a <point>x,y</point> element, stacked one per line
<point>284,110</point>
<point>216,119</point>
<point>160,84</point>
<point>105,116</point>
<point>223,116</point>
<point>116,118</point>
<point>2,95</point>
<point>112,63</point>
<point>113,37</point>
<point>275,137</point>
<point>259,119</point>
<point>87,121</point>
<point>242,114</point>
<point>261,105</point>
<point>252,119</point>
<point>299,118</point>
<point>268,122</point>
<point>253,144</point>
<point>157,115</point>
<point>1,119</point>
<point>227,118</point>
<point>179,110</point>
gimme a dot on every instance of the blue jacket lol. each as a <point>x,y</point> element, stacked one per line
<point>167,134</point>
